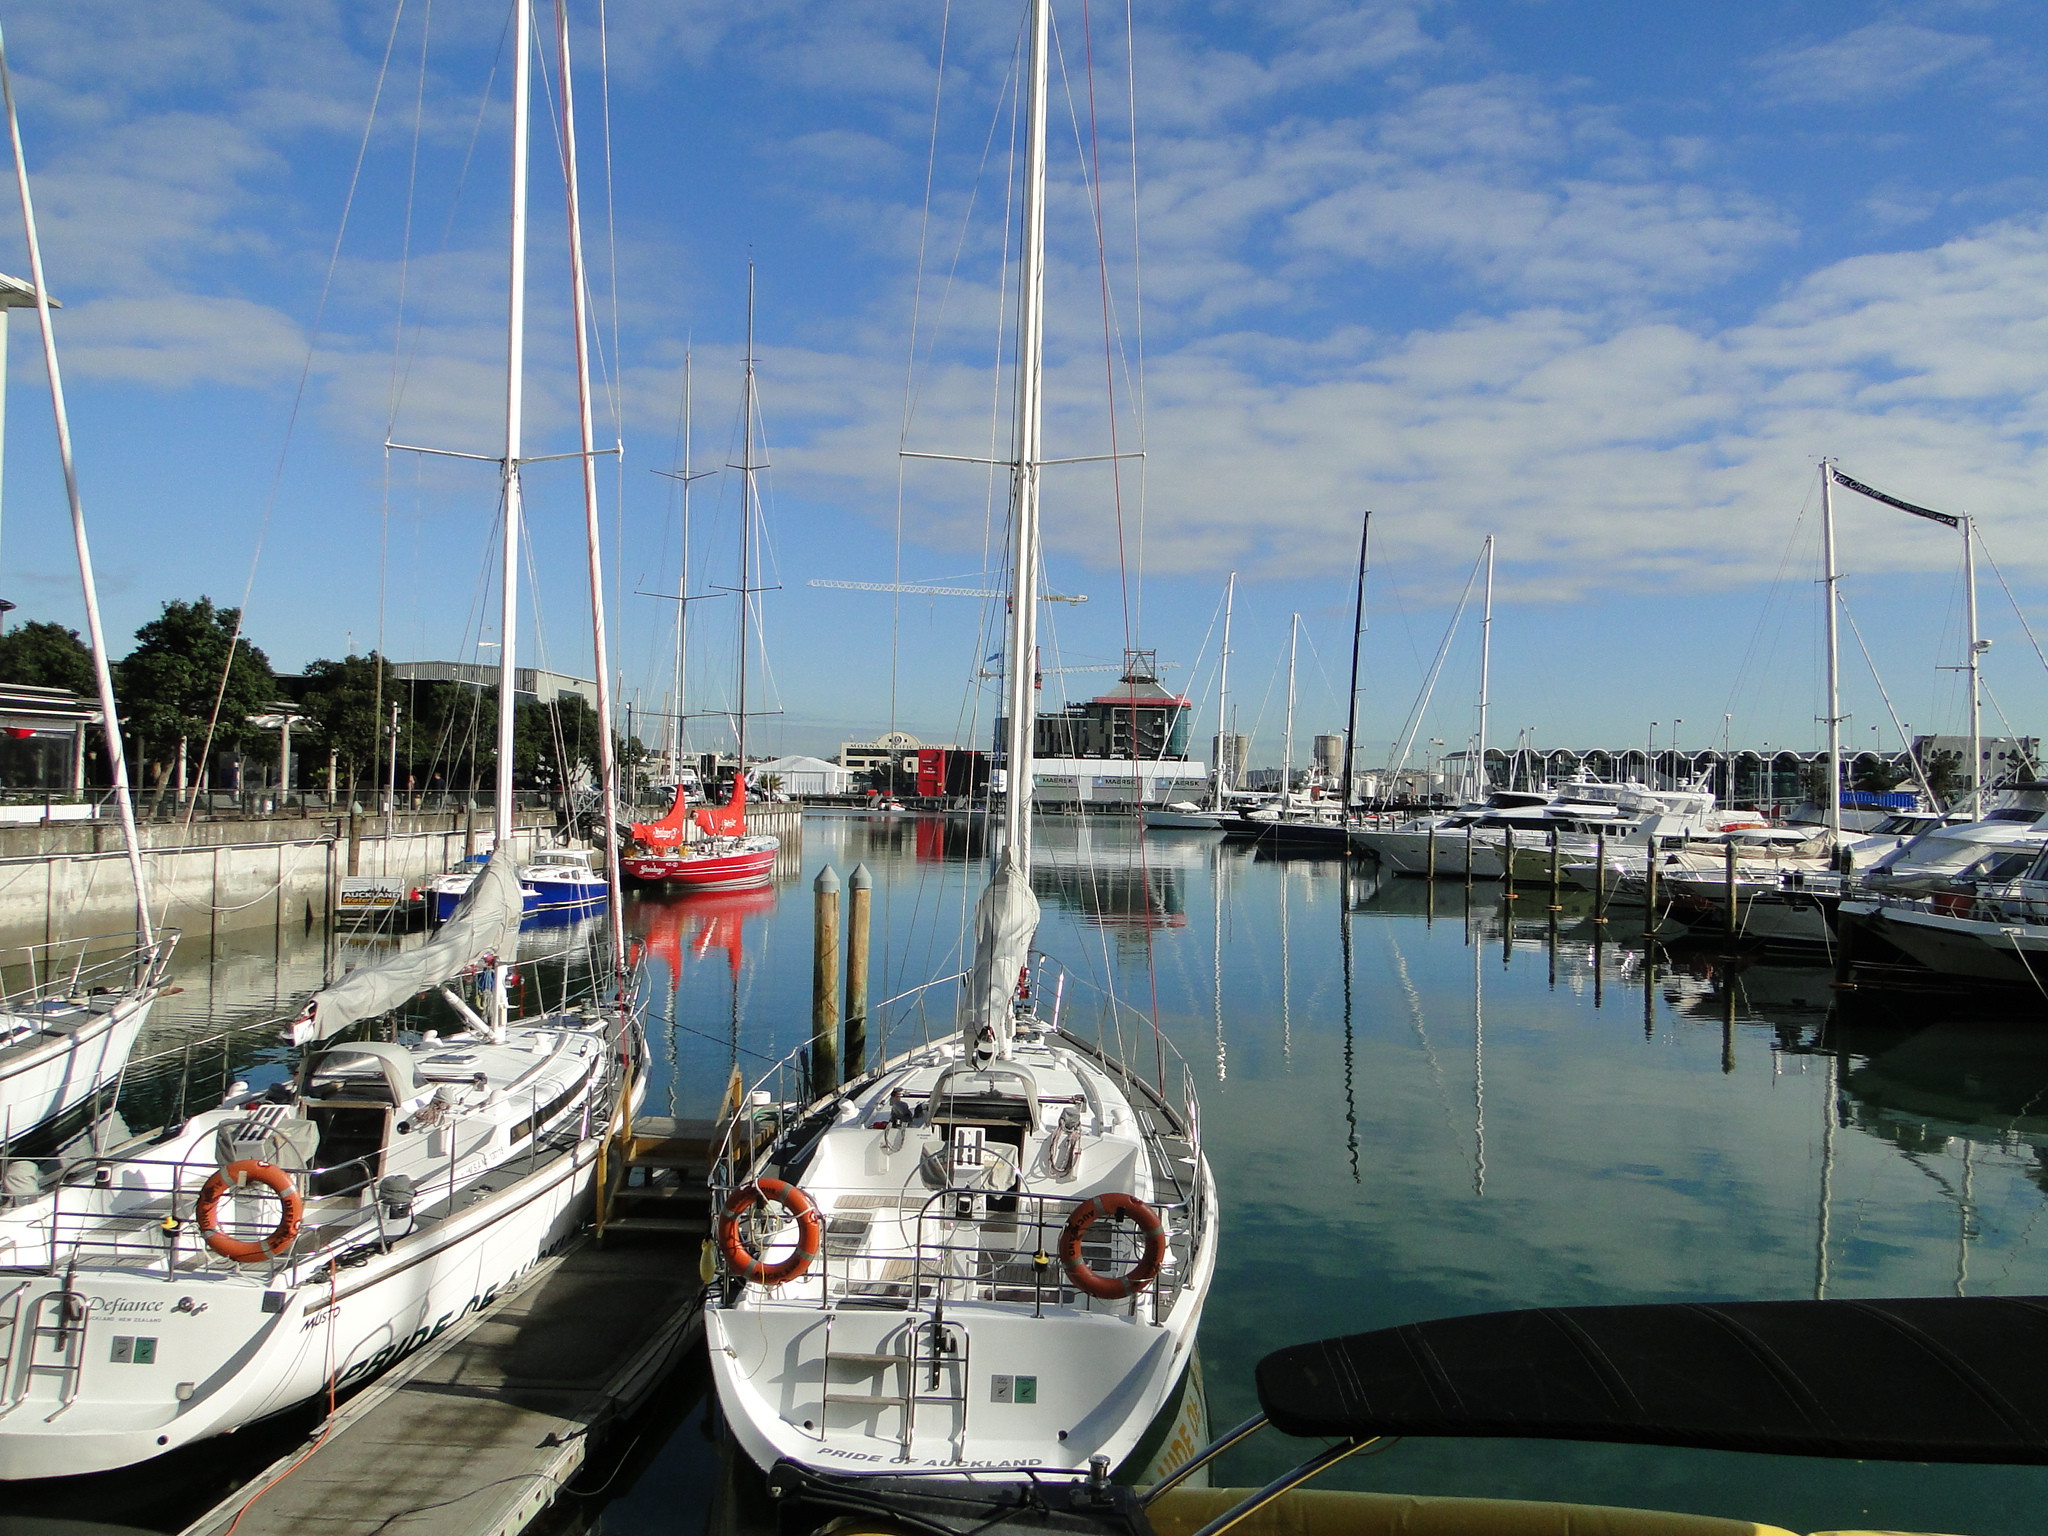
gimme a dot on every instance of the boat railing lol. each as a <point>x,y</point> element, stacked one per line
<point>972,1243</point>
<point>82,967</point>
<point>782,1095</point>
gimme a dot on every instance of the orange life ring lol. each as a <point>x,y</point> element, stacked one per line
<point>749,1265</point>
<point>236,1175</point>
<point>1141,1274</point>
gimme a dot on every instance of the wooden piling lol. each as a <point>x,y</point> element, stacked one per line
<point>1432,851</point>
<point>1734,926</point>
<point>1599,877</point>
<point>825,984</point>
<point>861,887</point>
<point>1507,862</point>
<point>1650,892</point>
<point>1555,872</point>
<point>1468,863</point>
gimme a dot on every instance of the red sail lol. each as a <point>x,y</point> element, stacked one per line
<point>668,832</point>
<point>729,819</point>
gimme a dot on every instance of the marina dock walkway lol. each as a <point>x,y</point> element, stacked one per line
<point>477,1433</point>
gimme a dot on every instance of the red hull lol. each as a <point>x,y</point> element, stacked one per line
<point>738,871</point>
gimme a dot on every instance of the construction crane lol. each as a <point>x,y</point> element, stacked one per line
<point>925,591</point>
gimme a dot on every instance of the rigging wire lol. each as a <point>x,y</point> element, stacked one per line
<point>298,402</point>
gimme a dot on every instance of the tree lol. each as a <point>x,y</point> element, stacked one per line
<point>170,682</point>
<point>1944,772</point>
<point>351,700</point>
<point>1875,774</point>
<point>45,655</point>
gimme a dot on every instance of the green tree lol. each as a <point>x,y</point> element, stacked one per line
<point>1877,775</point>
<point>45,655</point>
<point>351,700</point>
<point>169,683</point>
<point>1944,772</point>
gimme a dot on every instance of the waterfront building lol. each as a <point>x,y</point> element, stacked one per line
<point>530,684</point>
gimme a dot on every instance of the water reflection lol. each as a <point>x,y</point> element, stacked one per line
<point>1419,1101</point>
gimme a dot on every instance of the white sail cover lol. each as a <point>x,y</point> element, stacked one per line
<point>1005,922</point>
<point>485,922</point>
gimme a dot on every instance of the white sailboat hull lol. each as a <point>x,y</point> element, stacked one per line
<point>43,1078</point>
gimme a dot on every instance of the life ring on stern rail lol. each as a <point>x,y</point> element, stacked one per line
<point>749,1265</point>
<point>235,1175</point>
<point>1139,1275</point>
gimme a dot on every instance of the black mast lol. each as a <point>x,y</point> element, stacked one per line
<point>1357,629</point>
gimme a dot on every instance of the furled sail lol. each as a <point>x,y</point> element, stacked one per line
<point>1005,922</point>
<point>666,833</point>
<point>729,819</point>
<point>485,923</point>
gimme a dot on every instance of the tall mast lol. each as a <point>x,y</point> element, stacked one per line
<point>1976,647</point>
<point>607,761</point>
<point>1357,629</point>
<point>1223,736</point>
<point>1021,707</point>
<point>1834,717</point>
<point>681,733</point>
<point>103,676</point>
<point>1287,736</point>
<point>746,469</point>
<point>1485,670</point>
<point>1833,656</point>
<point>502,817</point>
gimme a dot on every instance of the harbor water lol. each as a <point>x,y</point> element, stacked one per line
<point>1418,1102</point>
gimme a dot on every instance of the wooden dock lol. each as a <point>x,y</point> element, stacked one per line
<point>476,1434</point>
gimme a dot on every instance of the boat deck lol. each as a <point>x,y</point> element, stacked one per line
<point>476,1434</point>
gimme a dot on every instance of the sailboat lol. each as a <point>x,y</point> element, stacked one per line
<point>725,856</point>
<point>989,1254</point>
<point>66,1032</point>
<point>296,1241</point>
<point>1214,816</point>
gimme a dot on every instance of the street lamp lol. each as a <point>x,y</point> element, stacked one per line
<point>281,719</point>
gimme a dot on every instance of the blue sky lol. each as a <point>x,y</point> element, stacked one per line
<point>1603,280</point>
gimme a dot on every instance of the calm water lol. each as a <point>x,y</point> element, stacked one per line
<point>1414,1109</point>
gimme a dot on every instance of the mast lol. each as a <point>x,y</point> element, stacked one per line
<point>1223,737</point>
<point>1287,736</point>
<point>1834,716</point>
<point>746,468</point>
<point>1022,682</point>
<point>103,676</point>
<point>607,761</point>
<point>1485,670</point>
<point>1976,652</point>
<point>515,368</point>
<point>681,733</point>
<point>1357,629</point>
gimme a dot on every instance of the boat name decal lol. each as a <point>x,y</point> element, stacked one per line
<point>315,1319</point>
<point>120,1306</point>
<point>390,1354</point>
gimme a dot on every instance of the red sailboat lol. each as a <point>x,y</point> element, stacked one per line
<point>725,856</point>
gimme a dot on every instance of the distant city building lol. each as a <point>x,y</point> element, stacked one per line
<point>1093,781</point>
<point>530,684</point>
<point>1140,719</point>
<point>899,747</point>
<point>2004,758</point>
<point>1231,753</point>
<point>1329,756</point>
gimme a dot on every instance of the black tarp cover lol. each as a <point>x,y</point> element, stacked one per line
<point>1933,1379</point>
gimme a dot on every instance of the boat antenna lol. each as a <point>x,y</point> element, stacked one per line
<point>103,676</point>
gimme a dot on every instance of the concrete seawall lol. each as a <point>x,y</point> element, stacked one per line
<point>63,880</point>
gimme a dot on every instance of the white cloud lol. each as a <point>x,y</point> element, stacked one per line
<point>1875,62</point>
